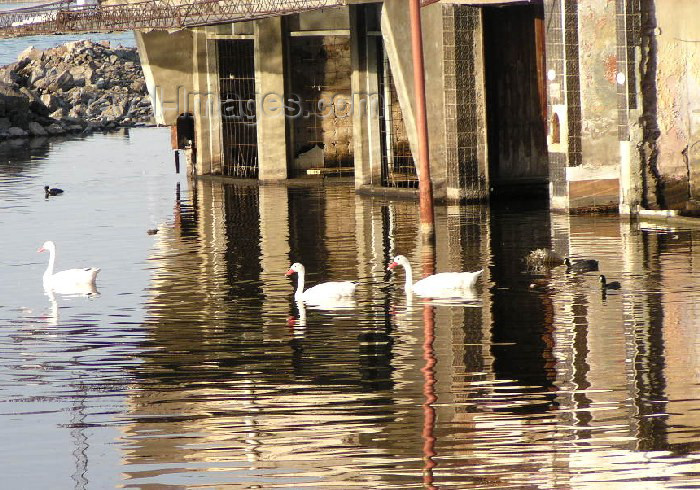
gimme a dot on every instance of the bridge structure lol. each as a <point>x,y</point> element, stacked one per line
<point>76,16</point>
<point>71,16</point>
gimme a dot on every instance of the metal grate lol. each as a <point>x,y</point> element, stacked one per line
<point>322,112</point>
<point>238,117</point>
<point>398,167</point>
<point>95,16</point>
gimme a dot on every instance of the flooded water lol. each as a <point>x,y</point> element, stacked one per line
<point>194,367</point>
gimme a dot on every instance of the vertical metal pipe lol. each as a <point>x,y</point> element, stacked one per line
<point>425,186</point>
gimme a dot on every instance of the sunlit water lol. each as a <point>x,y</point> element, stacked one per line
<point>195,367</point>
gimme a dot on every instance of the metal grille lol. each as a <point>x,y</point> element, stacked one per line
<point>67,16</point>
<point>322,111</point>
<point>238,118</point>
<point>462,25</point>
<point>398,167</point>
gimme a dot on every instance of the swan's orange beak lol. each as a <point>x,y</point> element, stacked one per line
<point>392,265</point>
<point>289,272</point>
<point>41,249</point>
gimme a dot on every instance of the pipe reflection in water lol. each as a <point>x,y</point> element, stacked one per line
<point>546,387</point>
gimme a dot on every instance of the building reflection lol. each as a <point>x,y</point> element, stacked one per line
<point>228,382</point>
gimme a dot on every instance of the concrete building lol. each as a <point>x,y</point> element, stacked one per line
<point>595,101</point>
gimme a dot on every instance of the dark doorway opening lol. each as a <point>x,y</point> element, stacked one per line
<point>320,105</point>
<point>516,107</point>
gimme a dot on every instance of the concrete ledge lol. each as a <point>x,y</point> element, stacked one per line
<point>314,181</point>
<point>668,217</point>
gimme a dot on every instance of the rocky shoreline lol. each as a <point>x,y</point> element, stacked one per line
<point>80,87</point>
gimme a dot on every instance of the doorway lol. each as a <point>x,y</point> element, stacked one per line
<point>516,104</point>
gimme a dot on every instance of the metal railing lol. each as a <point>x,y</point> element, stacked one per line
<point>71,16</point>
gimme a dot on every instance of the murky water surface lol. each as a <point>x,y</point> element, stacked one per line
<point>195,367</point>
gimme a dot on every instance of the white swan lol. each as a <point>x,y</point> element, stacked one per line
<point>321,293</point>
<point>71,281</point>
<point>444,284</point>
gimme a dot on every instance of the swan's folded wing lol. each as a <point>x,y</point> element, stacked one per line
<point>329,290</point>
<point>74,276</point>
<point>445,282</point>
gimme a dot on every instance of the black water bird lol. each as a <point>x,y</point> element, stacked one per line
<point>606,286</point>
<point>52,191</point>
<point>584,265</point>
<point>152,231</point>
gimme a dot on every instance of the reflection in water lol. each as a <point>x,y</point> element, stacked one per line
<point>508,370</point>
<point>221,378</point>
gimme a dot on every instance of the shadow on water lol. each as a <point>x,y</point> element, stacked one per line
<point>223,379</point>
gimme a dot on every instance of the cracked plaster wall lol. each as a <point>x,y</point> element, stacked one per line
<point>675,161</point>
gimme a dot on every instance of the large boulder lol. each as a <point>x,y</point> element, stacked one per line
<point>15,132</point>
<point>14,105</point>
<point>31,53</point>
<point>35,129</point>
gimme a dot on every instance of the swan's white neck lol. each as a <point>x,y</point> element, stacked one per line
<point>408,286</point>
<point>300,283</point>
<point>52,258</point>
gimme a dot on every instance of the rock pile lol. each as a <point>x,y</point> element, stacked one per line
<point>80,86</point>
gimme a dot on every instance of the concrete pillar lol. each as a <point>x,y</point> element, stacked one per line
<point>397,43</point>
<point>166,60</point>
<point>365,91</point>
<point>582,136</point>
<point>270,97</point>
<point>595,182</point>
<point>466,149</point>
<point>205,104</point>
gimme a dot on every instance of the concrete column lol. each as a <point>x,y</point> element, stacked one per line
<point>270,95</point>
<point>365,92</point>
<point>397,43</point>
<point>205,105</point>
<point>166,60</point>
<point>595,182</point>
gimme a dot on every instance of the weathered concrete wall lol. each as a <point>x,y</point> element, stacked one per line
<point>395,24</point>
<point>166,59</point>
<point>595,183</point>
<point>676,91</point>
